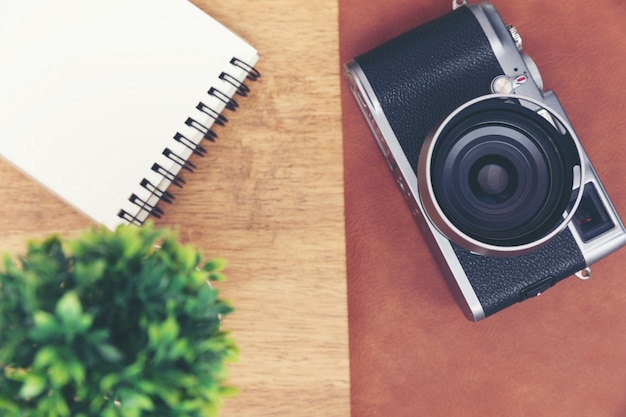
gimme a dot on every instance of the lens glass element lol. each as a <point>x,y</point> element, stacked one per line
<point>493,179</point>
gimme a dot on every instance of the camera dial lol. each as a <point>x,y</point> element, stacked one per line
<point>517,38</point>
<point>501,176</point>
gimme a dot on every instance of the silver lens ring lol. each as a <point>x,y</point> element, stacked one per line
<point>501,175</point>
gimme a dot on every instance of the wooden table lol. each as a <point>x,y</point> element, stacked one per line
<point>269,198</point>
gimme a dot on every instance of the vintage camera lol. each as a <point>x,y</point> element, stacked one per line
<point>488,162</point>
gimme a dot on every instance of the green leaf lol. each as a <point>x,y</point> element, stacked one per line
<point>108,382</point>
<point>76,371</point>
<point>110,353</point>
<point>33,385</point>
<point>59,374</point>
<point>110,411</point>
<point>60,406</point>
<point>9,409</point>
<point>181,349</point>
<point>132,400</point>
<point>147,387</point>
<point>187,258</point>
<point>136,368</point>
<point>46,326</point>
<point>87,273</point>
<point>191,406</point>
<point>169,329</point>
<point>46,357</point>
<point>169,396</point>
<point>164,333</point>
<point>69,309</point>
<point>43,319</point>
<point>229,391</point>
<point>217,276</point>
<point>130,412</point>
<point>198,277</point>
<point>215,265</point>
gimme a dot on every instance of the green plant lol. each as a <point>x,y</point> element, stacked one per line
<point>120,323</point>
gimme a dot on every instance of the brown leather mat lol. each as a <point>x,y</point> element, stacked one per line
<point>412,351</point>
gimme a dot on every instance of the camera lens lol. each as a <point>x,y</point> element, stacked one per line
<point>500,175</point>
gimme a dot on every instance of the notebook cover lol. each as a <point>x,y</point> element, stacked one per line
<point>92,92</point>
<point>412,351</point>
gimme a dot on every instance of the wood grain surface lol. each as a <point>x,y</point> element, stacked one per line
<point>269,198</point>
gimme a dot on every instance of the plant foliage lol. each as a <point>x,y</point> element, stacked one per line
<point>118,323</point>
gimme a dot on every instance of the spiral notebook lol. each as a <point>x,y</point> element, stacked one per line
<point>104,101</point>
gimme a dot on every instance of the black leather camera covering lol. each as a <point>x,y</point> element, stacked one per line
<point>419,78</point>
<point>501,282</point>
<point>424,74</point>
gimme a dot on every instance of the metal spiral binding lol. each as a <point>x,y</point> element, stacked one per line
<point>241,88</point>
<point>218,118</point>
<point>145,207</point>
<point>253,74</point>
<point>189,144</point>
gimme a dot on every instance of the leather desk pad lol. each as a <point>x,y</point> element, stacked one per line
<point>412,351</point>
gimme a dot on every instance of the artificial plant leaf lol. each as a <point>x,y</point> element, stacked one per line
<point>69,309</point>
<point>45,326</point>
<point>33,385</point>
<point>110,353</point>
<point>215,265</point>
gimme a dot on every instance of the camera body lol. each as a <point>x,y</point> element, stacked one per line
<point>486,159</point>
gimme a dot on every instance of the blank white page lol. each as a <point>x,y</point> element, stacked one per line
<point>93,91</point>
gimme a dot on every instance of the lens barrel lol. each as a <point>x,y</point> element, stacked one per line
<point>501,175</point>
